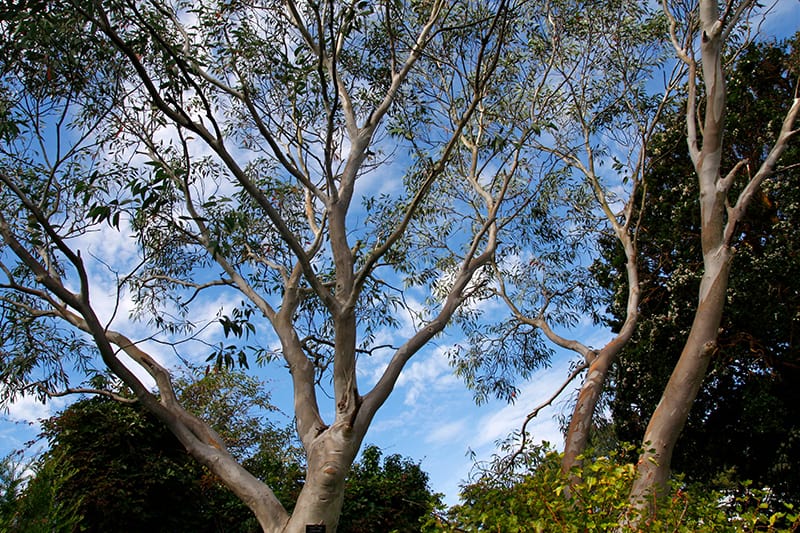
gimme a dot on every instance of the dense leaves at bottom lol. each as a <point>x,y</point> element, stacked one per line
<point>540,502</point>
<point>393,496</point>
<point>162,490</point>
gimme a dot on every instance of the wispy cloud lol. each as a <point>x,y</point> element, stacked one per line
<point>428,374</point>
<point>448,433</point>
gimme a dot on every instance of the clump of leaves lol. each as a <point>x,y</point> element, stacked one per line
<point>543,501</point>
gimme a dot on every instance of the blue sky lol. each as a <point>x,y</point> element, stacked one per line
<point>431,416</point>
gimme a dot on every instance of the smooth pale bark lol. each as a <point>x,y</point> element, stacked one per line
<point>329,460</point>
<point>580,424</point>
<point>718,221</point>
<point>672,411</point>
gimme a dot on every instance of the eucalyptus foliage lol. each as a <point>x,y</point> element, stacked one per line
<point>238,150</point>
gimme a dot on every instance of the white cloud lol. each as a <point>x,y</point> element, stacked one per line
<point>21,424</point>
<point>426,375</point>
<point>447,433</point>
<point>28,409</point>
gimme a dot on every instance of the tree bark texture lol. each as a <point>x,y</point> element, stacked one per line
<point>580,425</point>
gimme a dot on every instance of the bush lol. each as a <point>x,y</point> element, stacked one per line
<point>542,502</point>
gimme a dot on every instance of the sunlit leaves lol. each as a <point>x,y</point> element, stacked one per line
<point>535,501</point>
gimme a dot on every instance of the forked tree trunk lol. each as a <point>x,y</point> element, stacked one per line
<point>673,410</point>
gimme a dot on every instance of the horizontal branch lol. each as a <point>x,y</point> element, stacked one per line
<point>98,392</point>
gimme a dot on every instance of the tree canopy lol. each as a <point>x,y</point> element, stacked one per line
<point>281,183</point>
<point>234,144</point>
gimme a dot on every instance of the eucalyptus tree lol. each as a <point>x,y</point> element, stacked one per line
<point>742,421</point>
<point>590,98</point>
<point>230,143</point>
<point>724,196</point>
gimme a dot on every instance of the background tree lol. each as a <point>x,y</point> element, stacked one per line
<point>126,468</point>
<point>725,194</point>
<point>589,110</point>
<point>114,463</point>
<point>744,421</point>
<point>111,463</point>
<point>386,495</point>
<point>228,139</point>
<point>30,502</point>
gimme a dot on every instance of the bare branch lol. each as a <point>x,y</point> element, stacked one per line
<point>509,461</point>
<point>99,392</point>
<point>765,170</point>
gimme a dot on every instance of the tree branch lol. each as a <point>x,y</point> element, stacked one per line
<point>99,392</point>
<point>509,461</point>
<point>765,170</point>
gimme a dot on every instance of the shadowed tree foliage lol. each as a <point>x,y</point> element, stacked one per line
<point>115,463</point>
<point>745,423</point>
<point>128,469</point>
<point>112,464</point>
<point>388,495</point>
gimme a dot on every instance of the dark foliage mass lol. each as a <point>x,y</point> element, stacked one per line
<point>745,423</point>
<point>115,467</point>
<point>388,495</point>
<point>129,471</point>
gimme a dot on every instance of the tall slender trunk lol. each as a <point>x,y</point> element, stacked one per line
<point>580,424</point>
<point>672,411</point>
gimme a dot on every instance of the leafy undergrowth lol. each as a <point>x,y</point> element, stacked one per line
<point>538,502</point>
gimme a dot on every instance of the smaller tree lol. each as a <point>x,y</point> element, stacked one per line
<point>112,463</point>
<point>392,496</point>
<point>31,507</point>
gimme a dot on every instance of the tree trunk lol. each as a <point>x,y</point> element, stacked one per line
<point>580,423</point>
<point>672,411</point>
<point>670,416</point>
<point>329,460</point>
